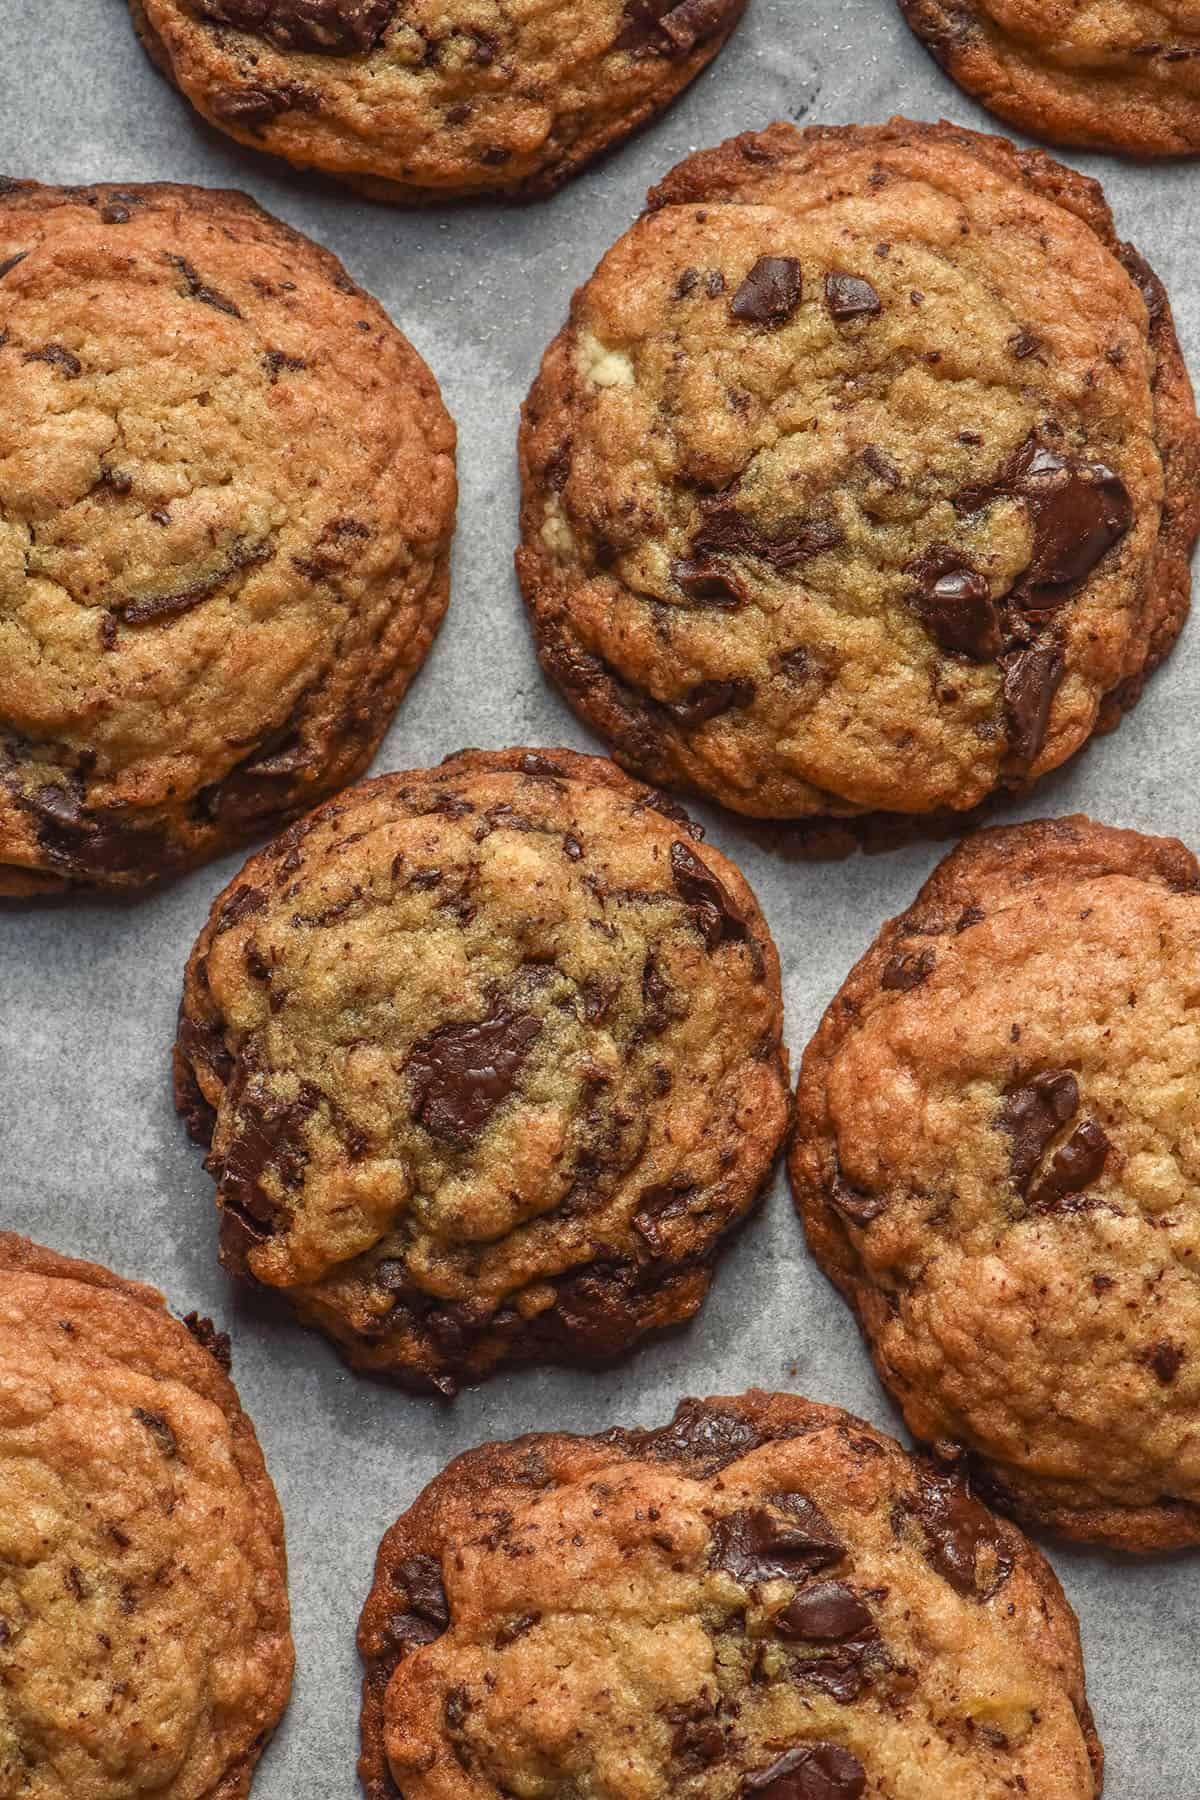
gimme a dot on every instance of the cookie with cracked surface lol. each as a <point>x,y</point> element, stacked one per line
<point>996,1160</point>
<point>421,100</point>
<point>210,604</point>
<point>1103,74</point>
<point>488,1058</point>
<point>765,1597</point>
<point>863,476</point>
<point>135,1513</point>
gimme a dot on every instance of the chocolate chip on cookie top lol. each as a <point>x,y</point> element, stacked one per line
<point>862,477</point>
<point>425,99</point>
<point>489,1061</point>
<point>997,1161</point>
<point>144,1640</point>
<point>211,598</point>
<point>1106,74</point>
<point>763,1598</point>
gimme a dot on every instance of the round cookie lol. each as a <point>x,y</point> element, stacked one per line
<point>997,1160</point>
<point>489,1060</point>
<point>763,1598</point>
<point>211,597</point>
<point>863,476</point>
<point>423,100</point>
<point>1104,74</point>
<point>144,1640</point>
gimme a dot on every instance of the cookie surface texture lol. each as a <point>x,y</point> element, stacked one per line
<point>420,100</point>
<point>863,477</point>
<point>488,1058</point>
<point>764,1597</point>
<point>997,1161</point>
<point>144,1639</point>
<point>211,601</point>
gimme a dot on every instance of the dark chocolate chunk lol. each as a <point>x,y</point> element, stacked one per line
<point>770,293</point>
<point>1078,512</point>
<point>1034,1114</point>
<point>81,842</point>
<point>58,357</point>
<point>198,290</point>
<point>1076,1166</point>
<point>334,27</point>
<point>905,972</point>
<point>727,532</point>
<point>709,701</point>
<point>717,915</point>
<point>1032,678</point>
<point>700,1437</point>
<point>698,1741</point>
<point>708,584</point>
<point>672,27</point>
<point>210,1339</point>
<point>10,263</point>
<point>1166,1359</point>
<point>658,1206</point>
<point>810,1772</point>
<point>955,603</point>
<point>828,1613</point>
<point>963,1542</point>
<point>460,1074</point>
<point>252,107</point>
<point>856,1206</point>
<point>159,1430</point>
<point>268,1135</point>
<point>150,607</point>
<point>850,297</point>
<point>241,904</point>
<point>786,1539</point>
<point>421,1578</point>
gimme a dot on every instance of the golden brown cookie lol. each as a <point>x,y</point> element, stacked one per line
<point>144,1641</point>
<point>419,100</point>
<point>764,1598</point>
<point>489,1059</point>
<point>212,598</point>
<point>997,1160</point>
<point>863,477</point>
<point>1106,74</point>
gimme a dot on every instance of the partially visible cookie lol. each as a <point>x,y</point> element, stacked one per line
<point>762,1598</point>
<point>1104,74</point>
<point>144,1638</point>
<point>489,1060</point>
<point>864,477</point>
<point>419,100</point>
<point>997,1159</point>
<point>212,596</point>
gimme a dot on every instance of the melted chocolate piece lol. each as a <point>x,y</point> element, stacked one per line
<point>955,603</point>
<point>708,584</point>
<point>58,357</point>
<point>335,27</point>
<point>963,1542</point>
<point>850,297</point>
<point>1166,1359</point>
<point>81,843</point>
<point>698,1741</point>
<point>716,913</point>
<point>461,1073</point>
<point>709,701</point>
<point>856,1206</point>
<point>905,972</point>
<point>828,1613</point>
<point>672,27</point>
<point>1032,677</point>
<point>810,1772</point>
<point>159,1430</point>
<point>1076,1166</point>
<point>199,290</point>
<point>268,1136</point>
<point>1034,1114</point>
<point>210,1339</point>
<point>770,293</point>
<point>727,532</point>
<point>787,1539</point>
<point>421,1578</point>
<point>241,904</point>
<point>700,1437</point>
<point>1078,512</point>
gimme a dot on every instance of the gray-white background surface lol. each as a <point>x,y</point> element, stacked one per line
<point>92,1159</point>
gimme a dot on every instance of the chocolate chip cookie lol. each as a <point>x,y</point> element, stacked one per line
<point>997,1160</point>
<point>765,1597</point>
<point>418,100</point>
<point>211,599</point>
<point>144,1641</point>
<point>1106,74</point>
<point>488,1059</point>
<point>863,477</point>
